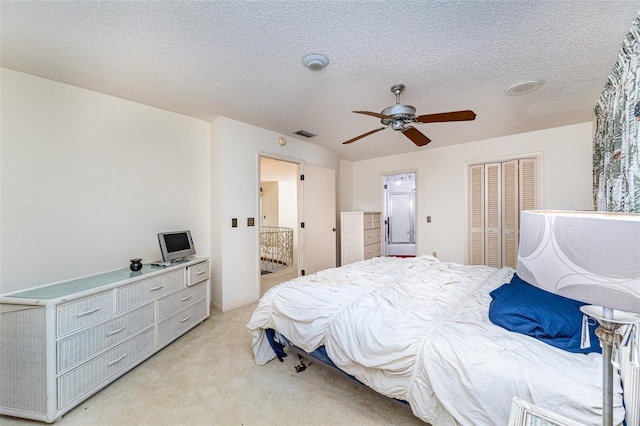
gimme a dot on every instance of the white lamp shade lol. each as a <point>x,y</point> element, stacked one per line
<point>593,257</point>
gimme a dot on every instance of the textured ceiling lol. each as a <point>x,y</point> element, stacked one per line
<point>242,60</point>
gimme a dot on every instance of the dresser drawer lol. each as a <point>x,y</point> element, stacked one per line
<point>145,291</point>
<point>78,382</point>
<point>371,236</point>
<point>76,349</point>
<point>368,221</point>
<point>371,220</point>
<point>372,250</point>
<point>197,273</point>
<point>180,300</point>
<point>75,315</point>
<point>376,221</point>
<point>182,321</point>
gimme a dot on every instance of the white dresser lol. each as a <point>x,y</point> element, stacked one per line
<point>62,343</point>
<point>360,236</point>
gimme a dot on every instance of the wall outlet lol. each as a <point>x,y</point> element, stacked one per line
<point>434,253</point>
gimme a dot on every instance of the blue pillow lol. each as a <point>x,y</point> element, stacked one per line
<point>551,318</point>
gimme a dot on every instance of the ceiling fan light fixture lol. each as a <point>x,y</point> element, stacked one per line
<point>315,62</point>
<point>398,124</point>
<point>523,87</point>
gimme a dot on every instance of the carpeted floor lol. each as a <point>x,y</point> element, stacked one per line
<point>208,377</point>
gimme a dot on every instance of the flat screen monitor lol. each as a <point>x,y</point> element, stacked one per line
<point>176,245</point>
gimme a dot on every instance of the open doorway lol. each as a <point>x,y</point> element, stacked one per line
<point>400,214</point>
<point>278,221</point>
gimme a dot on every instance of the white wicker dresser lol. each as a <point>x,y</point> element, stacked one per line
<point>62,343</point>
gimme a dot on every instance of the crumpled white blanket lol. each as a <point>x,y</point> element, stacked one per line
<point>417,329</point>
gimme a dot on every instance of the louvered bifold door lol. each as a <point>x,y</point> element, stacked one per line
<point>510,213</point>
<point>527,181</point>
<point>476,215</point>
<point>493,213</point>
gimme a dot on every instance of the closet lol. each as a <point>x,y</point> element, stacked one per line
<point>498,192</point>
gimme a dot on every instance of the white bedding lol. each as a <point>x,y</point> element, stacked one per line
<point>417,329</point>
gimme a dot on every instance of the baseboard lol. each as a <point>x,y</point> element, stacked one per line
<point>235,305</point>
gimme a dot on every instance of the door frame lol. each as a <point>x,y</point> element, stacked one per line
<point>416,213</point>
<point>299,163</point>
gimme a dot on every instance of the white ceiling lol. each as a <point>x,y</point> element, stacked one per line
<point>243,60</point>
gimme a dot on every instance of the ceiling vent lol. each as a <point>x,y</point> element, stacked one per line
<point>304,133</point>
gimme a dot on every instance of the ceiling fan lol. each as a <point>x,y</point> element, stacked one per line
<point>400,117</point>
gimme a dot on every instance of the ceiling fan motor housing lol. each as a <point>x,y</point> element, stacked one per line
<point>400,114</point>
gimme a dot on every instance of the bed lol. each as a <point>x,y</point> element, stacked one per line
<point>418,330</point>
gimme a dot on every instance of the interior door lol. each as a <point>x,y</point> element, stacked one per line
<point>498,193</point>
<point>319,218</point>
<point>401,218</point>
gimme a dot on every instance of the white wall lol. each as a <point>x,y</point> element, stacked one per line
<point>270,204</point>
<point>345,183</point>
<point>288,206</point>
<point>566,153</point>
<point>88,180</point>
<point>235,151</point>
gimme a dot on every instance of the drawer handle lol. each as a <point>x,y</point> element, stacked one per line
<point>156,288</point>
<point>186,319</point>
<point>184,299</point>
<point>111,333</point>
<point>201,272</point>
<point>117,360</point>
<point>90,311</point>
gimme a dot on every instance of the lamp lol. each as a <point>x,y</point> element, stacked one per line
<point>592,257</point>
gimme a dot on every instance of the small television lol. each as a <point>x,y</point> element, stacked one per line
<point>176,246</point>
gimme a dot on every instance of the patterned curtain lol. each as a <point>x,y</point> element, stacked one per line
<point>616,163</point>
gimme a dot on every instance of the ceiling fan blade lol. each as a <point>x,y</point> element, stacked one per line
<point>447,116</point>
<point>416,136</point>
<point>374,114</point>
<point>364,135</point>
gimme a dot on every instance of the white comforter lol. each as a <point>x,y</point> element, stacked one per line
<point>418,330</point>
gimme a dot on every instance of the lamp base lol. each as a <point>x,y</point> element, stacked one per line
<point>610,321</point>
